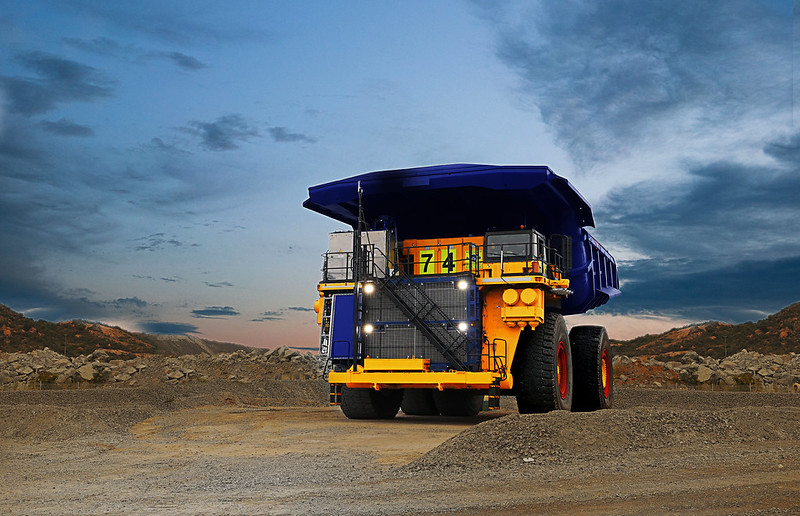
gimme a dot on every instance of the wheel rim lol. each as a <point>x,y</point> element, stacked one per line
<point>606,373</point>
<point>562,371</point>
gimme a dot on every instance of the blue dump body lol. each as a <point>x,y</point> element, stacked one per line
<point>461,200</point>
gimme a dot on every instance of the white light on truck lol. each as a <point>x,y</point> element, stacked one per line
<point>463,327</point>
<point>369,288</point>
<point>368,328</point>
<point>462,284</point>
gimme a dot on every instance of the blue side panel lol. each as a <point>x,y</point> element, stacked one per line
<point>342,326</point>
<point>593,278</point>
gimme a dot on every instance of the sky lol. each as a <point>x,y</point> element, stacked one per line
<point>154,155</point>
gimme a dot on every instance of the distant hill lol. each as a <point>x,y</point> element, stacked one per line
<point>779,333</point>
<point>72,338</point>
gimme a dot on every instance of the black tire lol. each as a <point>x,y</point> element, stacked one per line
<point>458,402</point>
<point>419,402</point>
<point>542,367</point>
<point>370,404</point>
<point>591,359</point>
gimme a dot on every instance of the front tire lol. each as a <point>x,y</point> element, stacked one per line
<point>370,404</point>
<point>542,367</point>
<point>591,355</point>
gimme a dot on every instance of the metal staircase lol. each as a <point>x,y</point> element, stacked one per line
<point>427,317</point>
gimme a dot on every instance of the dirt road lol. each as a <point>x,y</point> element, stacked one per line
<point>144,451</point>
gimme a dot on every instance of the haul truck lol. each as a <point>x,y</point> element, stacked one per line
<point>450,291</point>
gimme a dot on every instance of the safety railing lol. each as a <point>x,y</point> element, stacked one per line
<point>525,258</point>
<point>338,266</point>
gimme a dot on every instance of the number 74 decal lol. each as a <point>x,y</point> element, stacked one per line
<point>447,264</point>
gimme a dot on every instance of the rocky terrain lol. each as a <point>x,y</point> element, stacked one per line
<point>47,369</point>
<point>745,370</point>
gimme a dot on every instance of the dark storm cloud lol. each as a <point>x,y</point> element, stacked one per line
<point>65,127</point>
<point>56,81</point>
<point>721,245</point>
<point>213,312</point>
<point>743,291</point>
<point>282,135</point>
<point>724,212</point>
<point>225,133</point>
<point>606,75</point>
<point>168,328</point>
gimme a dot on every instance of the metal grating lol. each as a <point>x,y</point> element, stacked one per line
<point>396,337</point>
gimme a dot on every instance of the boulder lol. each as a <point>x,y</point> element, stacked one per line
<point>704,374</point>
<point>174,375</point>
<point>87,372</point>
<point>690,357</point>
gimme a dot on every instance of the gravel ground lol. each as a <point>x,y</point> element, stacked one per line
<point>274,448</point>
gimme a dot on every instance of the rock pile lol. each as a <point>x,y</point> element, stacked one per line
<point>745,368</point>
<point>46,368</point>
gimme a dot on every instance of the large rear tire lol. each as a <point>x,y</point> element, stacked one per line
<point>419,402</point>
<point>458,402</point>
<point>542,367</point>
<point>370,404</point>
<point>591,357</point>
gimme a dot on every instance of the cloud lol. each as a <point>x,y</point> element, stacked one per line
<point>743,291</point>
<point>111,48</point>
<point>224,133</point>
<point>718,246</point>
<point>724,212</point>
<point>168,328</point>
<point>219,285</point>
<point>181,60</point>
<point>65,127</point>
<point>609,75</point>
<point>279,315</point>
<point>282,135</point>
<point>59,81</point>
<point>269,316</point>
<point>214,312</point>
<point>129,303</point>
<point>156,242</point>
<point>299,309</point>
<point>101,46</point>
